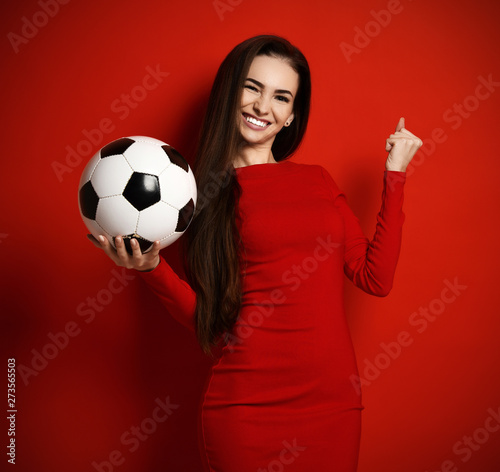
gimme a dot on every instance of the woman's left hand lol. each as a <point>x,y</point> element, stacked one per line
<point>401,146</point>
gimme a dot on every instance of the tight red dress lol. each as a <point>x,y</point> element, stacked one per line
<point>283,394</point>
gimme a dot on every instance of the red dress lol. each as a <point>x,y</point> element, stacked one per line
<point>283,394</point>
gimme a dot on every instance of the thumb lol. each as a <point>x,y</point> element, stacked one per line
<point>400,125</point>
<point>94,241</point>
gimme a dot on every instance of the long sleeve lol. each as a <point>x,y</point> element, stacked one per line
<point>175,294</point>
<point>371,265</point>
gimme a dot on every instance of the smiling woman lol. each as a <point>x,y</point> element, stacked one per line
<point>266,257</point>
<point>251,80</point>
<point>266,107</point>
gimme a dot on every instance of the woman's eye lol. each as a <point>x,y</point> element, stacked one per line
<point>251,87</point>
<point>282,98</point>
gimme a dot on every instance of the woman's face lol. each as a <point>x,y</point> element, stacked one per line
<point>267,99</point>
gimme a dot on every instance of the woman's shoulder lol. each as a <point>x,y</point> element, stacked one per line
<point>311,168</point>
<point>318,176</point>
<point>292,172</point>
<point>307,179</point>
<point>287,167</point>
<point>315,171</point>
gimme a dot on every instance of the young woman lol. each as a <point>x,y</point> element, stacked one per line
<point>266,255</point>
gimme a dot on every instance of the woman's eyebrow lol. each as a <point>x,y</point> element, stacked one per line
<point>256,82</point>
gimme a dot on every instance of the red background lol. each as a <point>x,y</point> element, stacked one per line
<point>426,59</point>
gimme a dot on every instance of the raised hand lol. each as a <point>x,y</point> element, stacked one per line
<point>401,146</point>
<point>120,256</point>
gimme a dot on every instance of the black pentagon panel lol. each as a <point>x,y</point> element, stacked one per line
<point>144,244</point>
<point>185,216</point>
<point>142,190</point>
<point>88,200</point>
<point>119,146</point>
<point>175,157</point>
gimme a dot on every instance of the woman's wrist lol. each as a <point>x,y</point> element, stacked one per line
<point>153,268</point>
<point>393,168</point>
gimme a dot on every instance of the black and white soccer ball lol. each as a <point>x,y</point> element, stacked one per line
<point>137,187</point>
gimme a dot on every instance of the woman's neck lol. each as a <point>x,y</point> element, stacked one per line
<point>248,156</point>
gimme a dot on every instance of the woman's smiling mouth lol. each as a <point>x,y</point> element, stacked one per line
<point>254,122</point>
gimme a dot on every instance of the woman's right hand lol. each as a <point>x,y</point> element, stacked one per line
<point>138,261</point>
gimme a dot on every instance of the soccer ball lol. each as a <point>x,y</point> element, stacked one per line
<point>138,188</point>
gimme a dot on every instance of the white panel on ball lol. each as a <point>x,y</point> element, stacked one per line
<point>148,158</point>
<point>95,229</point>
<point>175,186</point>
<point>147,139</point>
<point>192,186</point>
<point>158,222</point>
<point>111,176</point>
<point>117,216</point>
<point>89,169</point>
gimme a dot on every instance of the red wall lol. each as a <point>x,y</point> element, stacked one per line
<point>94,366</point>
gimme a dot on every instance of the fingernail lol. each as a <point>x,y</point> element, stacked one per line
<point>101,238</point>
<point>133,242</point>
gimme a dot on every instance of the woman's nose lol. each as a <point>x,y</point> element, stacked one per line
<point>262,104</point>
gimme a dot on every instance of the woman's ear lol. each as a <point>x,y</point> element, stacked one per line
<point>288,122</point>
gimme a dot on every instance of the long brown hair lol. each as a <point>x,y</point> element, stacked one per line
<point>214,243</point>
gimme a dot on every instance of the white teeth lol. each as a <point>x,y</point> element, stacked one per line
<point>255,121</point>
